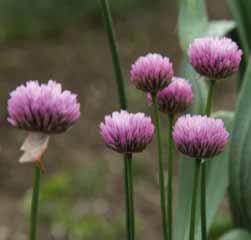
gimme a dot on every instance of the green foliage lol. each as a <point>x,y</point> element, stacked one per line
<point>193,23</point>
<point>241,12</point>
<point>240,161</point>
<point>237,234</point>
<point>221,225</point>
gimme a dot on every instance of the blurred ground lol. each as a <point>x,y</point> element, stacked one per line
<point>80,59</point>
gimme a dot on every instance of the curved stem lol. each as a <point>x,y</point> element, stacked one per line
<point>170,177</point>
<point>114,52</point>
<point>35,203</point>
<point>203,167</point>
<point>161,169</point>
<point>194,199</point>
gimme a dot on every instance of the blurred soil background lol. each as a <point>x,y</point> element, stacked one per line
<point>82,196</point>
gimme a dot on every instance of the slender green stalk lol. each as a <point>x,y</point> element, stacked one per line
<point>114,52</point>
<point>170,177</point>
<point>106,12</point>
<point>161,169</point>
<point>130,178</point>
<point>127,196</point>
<point>203,168</point>
<point>210,97</point>
<point>203,201</point>
<point>194,199</point>
<point>35,203</point>
<point>130,222</point>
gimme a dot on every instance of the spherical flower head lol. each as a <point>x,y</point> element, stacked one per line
<point>215,58</point>
<point>43,107</point>
<point>200,136</point>
<point>151,73</point>
<point>127,132</point>
<point>175,98</point>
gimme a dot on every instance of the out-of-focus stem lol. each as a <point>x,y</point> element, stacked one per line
<point>114,52</point>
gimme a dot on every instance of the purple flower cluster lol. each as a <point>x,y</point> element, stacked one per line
<point>152,73</point>
<point>215,58</point>
<point>127,132</point>
<point>43,107</point>
<point>200,136</point>
<point>175,98</point>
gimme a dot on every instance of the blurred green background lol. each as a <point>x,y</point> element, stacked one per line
<point>82,190</point>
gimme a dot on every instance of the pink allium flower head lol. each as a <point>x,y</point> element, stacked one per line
<point>151,73</point>
<point>200,136</point>
<point>127,132</point>
<point>215,58</point>
<point>175,98</point>
<point>43,107</point>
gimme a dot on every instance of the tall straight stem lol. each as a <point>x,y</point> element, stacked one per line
<point>114,52</point>
<point>129,197</point>
<point>35,203</point>
<point>161,169</point>
<point>170,177</point>
<point>107,17</point>
<point>203,203</point>
<point>194,199</point>
<point>130,176</point>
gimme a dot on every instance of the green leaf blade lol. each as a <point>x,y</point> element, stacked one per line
<point>240,161</point>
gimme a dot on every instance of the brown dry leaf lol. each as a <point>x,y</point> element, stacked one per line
<point>34,147</point>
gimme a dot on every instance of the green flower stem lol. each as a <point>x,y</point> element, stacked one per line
<point>132,217</point>
<point>130,222</point>
<point>127,197</point>
<point>106,12</point>
<point>35,203</point>
<point>161,169</point>
<point>203,167</point>
<point>210,97</point>
<point>194,199</point>
<point>170,177</point>
<point>114,52</point>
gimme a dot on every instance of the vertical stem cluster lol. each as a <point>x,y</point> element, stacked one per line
<point>194,198</point>
<point>34,203</point>
<point>203,168</point>
<point>170,177</point>
<point>161,168</point>
<point>129,197</point>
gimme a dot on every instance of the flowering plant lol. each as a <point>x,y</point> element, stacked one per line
<point>209,57</point>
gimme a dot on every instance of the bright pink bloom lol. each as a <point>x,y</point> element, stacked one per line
<point>215,58</point>
<point>175,98</point>
<point>152,73</point>
<point>200,136</point>
<point>43,107</point>
<point>127,132</point>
